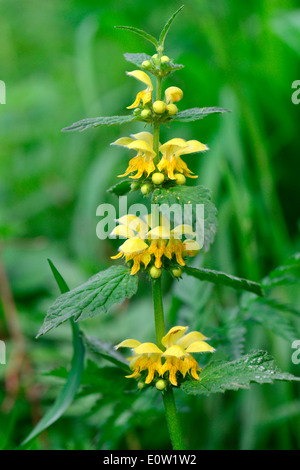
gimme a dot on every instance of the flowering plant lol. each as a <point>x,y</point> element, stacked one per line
<point>157,243</point>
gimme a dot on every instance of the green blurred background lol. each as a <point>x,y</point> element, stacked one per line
<point>62,61</point>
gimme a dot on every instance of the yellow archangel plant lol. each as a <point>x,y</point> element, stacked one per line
<point>156,245</point>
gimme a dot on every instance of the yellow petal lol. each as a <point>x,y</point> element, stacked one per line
<point>173,142</point>
<point>123,141</point>
<point>127,219</point>
<point>173,94</point>
<point>159,232</point>
<point>122,231</point>
<point>183,229</point>
<point>142,77</point>
<point>145,136</point>
<point>173,335</point>
<point>128,343</point>
<point>133,245</point>
<point>199,346</point>
<point>141,146</point>
<point>174,351</point>
<point>194,146</point>
<point>190,338</point>
<point>190,248</point>
<point>147,348</point>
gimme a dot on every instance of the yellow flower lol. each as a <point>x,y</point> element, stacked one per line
<point>142,163</point>
<point>145,95</point>
<point>134,248</point>
<point>173,94</point>
<point>171,152</point>
<point>159,241</point>
<point>175,358</point>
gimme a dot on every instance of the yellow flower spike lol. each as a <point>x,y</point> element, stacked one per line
<point>146,95</point>
<point>171,152</point>
<point>173,94</point>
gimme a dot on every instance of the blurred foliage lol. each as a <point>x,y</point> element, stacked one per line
<point>62,62</point>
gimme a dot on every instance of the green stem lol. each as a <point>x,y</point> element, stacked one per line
<point>168,397</point>
<point>158,311</point>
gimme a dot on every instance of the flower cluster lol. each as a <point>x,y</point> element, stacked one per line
<point>144,239</point>
<point>174,363</point>
<point>147,161</point>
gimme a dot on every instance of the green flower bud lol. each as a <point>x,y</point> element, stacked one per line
<point>172,109</point>
<point>141,385</point>
<point>180,179</point>
<point>176,272</point>
<point>145,188</point>
<point>161,385</point>
<point>165,58</point>
<point>155,59</point>
<point>146,114</point>
<point>134,186</point>
<point>158,178</point>
<point>155,273</point>
<point>146,64</point>
<point>159,107</point>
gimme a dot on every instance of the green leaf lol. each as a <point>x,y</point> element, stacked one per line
<point>220,376</point>
<point>271,315</point>
<point>167,26</point>
<point>189,195</point>
<point>95,296</point>
<point>220,278</point>
<point>98,121</point>
<point>121,188</point>
<point>137,59</point>
<point>194,114</point>
<point>73,380</point>
<point>106,351</point>
<point>288,273</point>
<point>141,33</point>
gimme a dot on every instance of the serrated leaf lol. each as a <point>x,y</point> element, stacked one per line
<point>167,26</point>
<point>220,376</point>
<point>190,196</point>
<point>137,58</point>
<point>97,295</point>
<point>220,278</point>
<point>98,121</point>
<point>106,351</point>
<point>271,315</point>
<point>141,33</point>
<point>288,273</point>
<point>121,188</point>
<point>194,114</point>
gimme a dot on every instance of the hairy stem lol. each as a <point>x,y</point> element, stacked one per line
<point>168,397</point>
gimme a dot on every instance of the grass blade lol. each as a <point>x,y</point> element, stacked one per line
<point>74,378</point>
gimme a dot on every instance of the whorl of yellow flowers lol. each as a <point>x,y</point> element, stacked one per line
<point>174,362</point>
